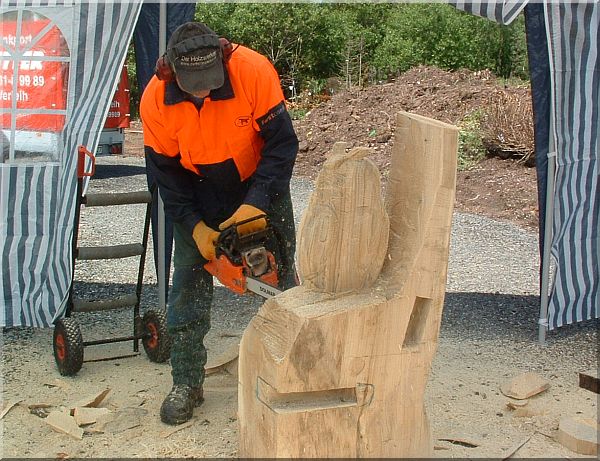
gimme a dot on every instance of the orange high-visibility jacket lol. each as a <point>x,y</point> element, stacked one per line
<point>239,139</point>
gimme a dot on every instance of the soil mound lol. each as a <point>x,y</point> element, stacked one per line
<point>366,117</point>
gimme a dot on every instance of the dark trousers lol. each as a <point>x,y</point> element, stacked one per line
<point>188,311</point>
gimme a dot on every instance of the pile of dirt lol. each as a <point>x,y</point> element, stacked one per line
<point>366,117</point>
<point>498,188</point>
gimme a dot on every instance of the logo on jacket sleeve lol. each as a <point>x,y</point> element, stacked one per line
<point>242,121</point>
<point>271,115</point>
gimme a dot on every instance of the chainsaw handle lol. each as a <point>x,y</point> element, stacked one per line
<point>233,227</point>
<point>252,219</point>
<point>230,243</point>
<point>230,236</point>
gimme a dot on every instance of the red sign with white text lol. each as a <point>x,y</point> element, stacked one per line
<point>118,115</point>
<point>39,84</point>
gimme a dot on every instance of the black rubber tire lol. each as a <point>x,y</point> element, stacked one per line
<point>156,341</point>
<point>68,346</point>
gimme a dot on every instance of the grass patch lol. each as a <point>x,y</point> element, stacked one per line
<point>297,113</point>
<point>470,143</point>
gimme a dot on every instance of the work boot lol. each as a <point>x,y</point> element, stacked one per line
<point>178,406</point>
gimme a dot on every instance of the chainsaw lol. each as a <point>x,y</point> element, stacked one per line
<point>244,263</point>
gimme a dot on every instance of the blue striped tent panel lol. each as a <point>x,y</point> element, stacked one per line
<point>35,3</point>
<point>502,12</point>
<point>26,239</point>
<point>573,48</point>
<point>37,201</point>
<point>575,247</point>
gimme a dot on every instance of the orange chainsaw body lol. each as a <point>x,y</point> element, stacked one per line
<point>240,257</point>
<point>229,274</point>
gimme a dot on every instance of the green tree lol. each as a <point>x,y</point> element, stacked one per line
<point>304,41</point>
<point>365,42</point>
<point>439,35</point>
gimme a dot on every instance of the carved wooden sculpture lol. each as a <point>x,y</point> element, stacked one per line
<point>346,221</point>
<point>337,367</point>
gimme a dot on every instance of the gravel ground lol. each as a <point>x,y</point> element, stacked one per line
<point>488,333</point>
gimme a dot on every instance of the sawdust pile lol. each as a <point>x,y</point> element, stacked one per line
<point>366,117</point>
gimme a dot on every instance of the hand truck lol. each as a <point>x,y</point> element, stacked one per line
<point>151,328</point>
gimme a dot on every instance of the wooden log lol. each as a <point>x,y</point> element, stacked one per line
<point>337,367</point>
<point>579,435</point>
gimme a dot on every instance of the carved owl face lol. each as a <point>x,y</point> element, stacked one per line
<point>343,235</point>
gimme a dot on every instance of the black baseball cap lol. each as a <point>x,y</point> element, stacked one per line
<point>194,52</point>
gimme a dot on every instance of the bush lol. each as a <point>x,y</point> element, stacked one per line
<point>303,41</point>
<point>441,36</point>
<point>507,125</point>
<point>362,43</point>
<point>134,90</point>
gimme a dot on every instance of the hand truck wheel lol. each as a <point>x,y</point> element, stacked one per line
<point>68,346</point>
<point>156,341</point>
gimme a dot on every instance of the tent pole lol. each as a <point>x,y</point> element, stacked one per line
<point>543,321</point>
<point>161,273</point>
<point>550,185</point>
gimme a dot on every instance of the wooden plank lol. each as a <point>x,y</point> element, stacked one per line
<point>60,384</point>
<point>589,380</point>
<point>462,441</point>
<point>513,450</point>
<point>9,406</point>
<point>88,415</point>
<point>223,361</point>
<point>62,422</point>
<point>516,404</point>
<point>524,386</point>
<point>92,400</point>
<point>169,432</point>
<point>125,419</point>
